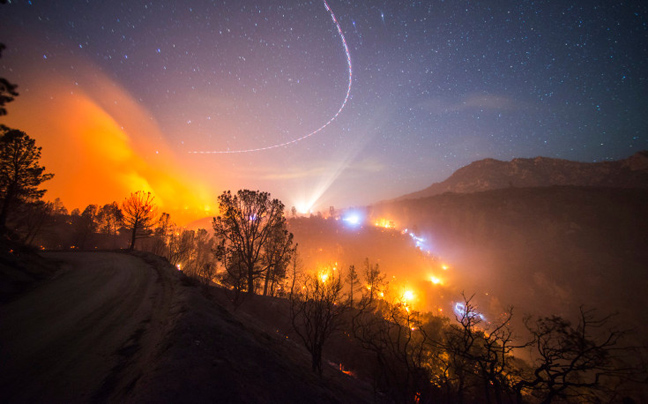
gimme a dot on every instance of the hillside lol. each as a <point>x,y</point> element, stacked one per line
<point>544,250</point>
<point>116,327</point>
<point>490,174</point>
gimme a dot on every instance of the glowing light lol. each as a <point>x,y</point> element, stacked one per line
<point>303,209</point>
<point>461,311</point>
<point>435,280</point>
<point>385,223</point>
<point>352,218</point>
<point>444,267</point>
<point>324,277</point>
<point>408,295</point>
<point>346,98</point>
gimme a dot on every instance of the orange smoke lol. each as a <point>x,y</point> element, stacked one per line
<point>101,146</point>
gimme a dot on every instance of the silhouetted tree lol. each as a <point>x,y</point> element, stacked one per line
<point>402,346</point>
<point>20,172</point>
<point>201,263</point>
<point>478,361</point>
<point>276,256</point>
<point>85,225</point>
<point>7,89</point>
<point>353,280</point>
<point>139,215</point>
<point>110,219</point>
<point>374,278</point>
<point>572,361</point>
<point>31,218</point>
<point>251,227</point>
<point>316,310</point>
<point>162,235</point>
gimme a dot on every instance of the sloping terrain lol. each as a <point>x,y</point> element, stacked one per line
<point>115,327</point>
<point>544,250</point>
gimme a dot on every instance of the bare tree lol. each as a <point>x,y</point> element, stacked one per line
<point>478,361</point>
<point>139,214</point>
<point>316,309</point>
<point>353,280</point>
<point>572,360</point>
<point>403,348</point>
<point>374,278</point>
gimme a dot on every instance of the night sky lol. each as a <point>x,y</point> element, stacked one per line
<point>121,93</point>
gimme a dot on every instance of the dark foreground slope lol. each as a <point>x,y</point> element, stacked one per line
<point>113,327</point>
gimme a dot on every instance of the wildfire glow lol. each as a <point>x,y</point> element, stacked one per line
<point>408,295</point>
<point>435,280</point>
<point>102,145</point>
<point>385,223</point>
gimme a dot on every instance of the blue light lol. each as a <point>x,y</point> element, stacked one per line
<point>352,219</point>
<point>461,311</point>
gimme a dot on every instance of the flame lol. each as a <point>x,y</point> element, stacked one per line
<point>408,295</point>
<point>385,223</point>
<point>435,280</point>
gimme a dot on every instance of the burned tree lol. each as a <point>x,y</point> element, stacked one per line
<point>316,310</point>
<point>572,360</point>
<point>139,215</point>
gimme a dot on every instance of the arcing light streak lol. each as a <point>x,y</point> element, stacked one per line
<point>346,98</point>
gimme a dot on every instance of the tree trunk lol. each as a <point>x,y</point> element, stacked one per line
<point>317,360</point>
<point>5,210</point>
<point>265,284</point>
<point>133,236</point>
<point>250,282</point>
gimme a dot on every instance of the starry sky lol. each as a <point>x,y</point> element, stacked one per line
<point>127,95</point>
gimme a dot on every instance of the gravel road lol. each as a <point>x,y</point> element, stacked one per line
<point>88,333</point>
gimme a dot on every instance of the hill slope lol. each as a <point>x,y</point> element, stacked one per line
<point>544,250</point>
<point>115,327</point>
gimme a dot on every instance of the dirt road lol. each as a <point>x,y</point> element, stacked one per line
<point>87,334</point>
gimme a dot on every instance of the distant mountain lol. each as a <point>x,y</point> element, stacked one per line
<point>490,174</point>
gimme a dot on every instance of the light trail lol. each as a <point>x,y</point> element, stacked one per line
<point>290,142</point>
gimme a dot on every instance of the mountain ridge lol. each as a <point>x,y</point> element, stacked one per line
<point>489,174</point>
